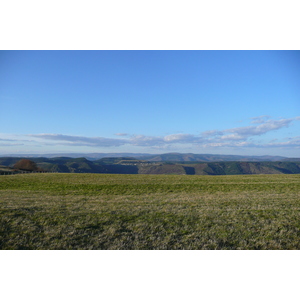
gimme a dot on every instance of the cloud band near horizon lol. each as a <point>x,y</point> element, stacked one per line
<point>233,137</point>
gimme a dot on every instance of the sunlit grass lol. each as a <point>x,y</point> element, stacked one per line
<point>102,211</point>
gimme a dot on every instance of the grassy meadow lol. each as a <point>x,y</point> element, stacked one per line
<point>110,211</point>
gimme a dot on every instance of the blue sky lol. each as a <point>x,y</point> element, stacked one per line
<point>219,102</point>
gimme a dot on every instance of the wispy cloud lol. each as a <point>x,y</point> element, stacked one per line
<point>260,119</point>
<point>238,137</point>
<point>6,140</point>
<point>81,140</point>
<point>211,133</point>
<point>121,134</point>
<point>293,142</point>
<point>242,133</point>
<point>10,144</point>
<point>183,138</point>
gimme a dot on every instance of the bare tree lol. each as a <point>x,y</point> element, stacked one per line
<point>26,165</point>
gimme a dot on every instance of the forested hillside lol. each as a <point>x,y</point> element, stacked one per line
<point>127,165</point>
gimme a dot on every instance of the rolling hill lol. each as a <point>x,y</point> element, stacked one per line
<point>169,164</point>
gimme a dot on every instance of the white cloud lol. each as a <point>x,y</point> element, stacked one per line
<point>238,137</point>
<point>182,138</point>
<point>246,132</point>
<point>233,136</point>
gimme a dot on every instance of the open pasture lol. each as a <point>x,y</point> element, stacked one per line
<point>110,211</point>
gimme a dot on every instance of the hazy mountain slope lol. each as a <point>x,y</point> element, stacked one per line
<point>190,157</point>
<point>175,157</point>
<point>237,168</point>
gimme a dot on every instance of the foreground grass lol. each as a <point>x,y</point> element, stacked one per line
<point>102,211</point>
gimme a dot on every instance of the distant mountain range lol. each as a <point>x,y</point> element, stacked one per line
<point>170,163</point>
<point>171,157</point>
<point>190,157</point>
<point>89,156</point>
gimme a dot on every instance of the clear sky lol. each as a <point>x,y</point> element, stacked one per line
<point>219,102</point>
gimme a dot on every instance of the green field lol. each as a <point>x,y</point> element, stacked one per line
<point>110,211</point>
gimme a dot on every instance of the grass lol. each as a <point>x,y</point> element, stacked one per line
<point>106,211</point>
